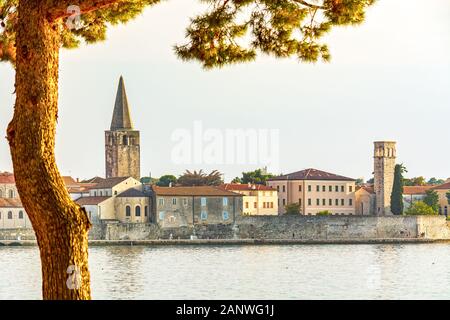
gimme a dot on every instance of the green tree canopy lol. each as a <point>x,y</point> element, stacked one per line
<point>432,199</point>
<point>259,176</point>
<point>416,181</point>
<point>323,213</point>
<point>420,208</point>
<point>166,180</point>
<point>200,178</point>
<point>433,181</point>
<point>292,208</point>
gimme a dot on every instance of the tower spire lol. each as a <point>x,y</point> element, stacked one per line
<point>121,119</point>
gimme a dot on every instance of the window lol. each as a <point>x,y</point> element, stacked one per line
<point>10,215</point>
<point>271,205</point>
<point>11,193</point>
<point>174,201</point>
<point>137,211</point>
<point>185,202</point>
<point>309,202</point>
<point>225,201</point>
<point>318,202</point>
<point>330,188</point>
<point>309,188</point>
<point>146,211</point>
<point>300,201</point>
<point>255,205</point>
<point>300,188</point>
<point>172,219</point>
<point>324,188</point>
<point>20,214</point>
<point>337,202</point>
<point>204,215</point>
<point>115,193</point>
<point>350,202</point>
<point>284,188</point>
<point>350,189</point>
<point>264,205</point>
<point>342,202</point>
<point>278,188</point>
<point>342,189</point>
<point>318,188</point>
<point>161,215</point>
<point>124,140</point>
<point>128,211</point>
<point>225,215</point>
<point>324,202</point>
<point>95,193</point>
<point>284,202</point>
<point>161,202</point>
<point>246,205</point>
<point>330,202</point>
<point>336,189</point>
<point>101,193</point>
<point>203,202</point>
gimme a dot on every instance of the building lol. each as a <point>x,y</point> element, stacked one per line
<point>413,194</point>
<point>8,186</point>
<point>12,213</point>
<point>183,206</point>
<point>442,191</point>
<point>365,200</point>
<point>257,199</point>
<point>122,142</point>
<point>119,199</point>
<point>385,154</point>
<point>315,191</point>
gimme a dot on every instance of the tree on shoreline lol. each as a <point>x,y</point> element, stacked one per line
<point>432,199</point>
<point>31,36</point>
<point>397,190</point>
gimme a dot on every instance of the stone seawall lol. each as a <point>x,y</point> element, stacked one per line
<point>318,228</point>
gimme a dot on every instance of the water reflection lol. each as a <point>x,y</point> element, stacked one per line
<point>247,272</point>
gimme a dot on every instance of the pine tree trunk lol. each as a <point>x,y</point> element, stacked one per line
<point>60,225</point>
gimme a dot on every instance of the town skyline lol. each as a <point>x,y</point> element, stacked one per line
<point>410,97</point>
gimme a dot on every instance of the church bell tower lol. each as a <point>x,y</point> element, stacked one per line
<point>122,145</point>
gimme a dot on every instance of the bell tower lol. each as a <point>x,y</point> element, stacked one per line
<point>122,145</point>
<point>385,154</point>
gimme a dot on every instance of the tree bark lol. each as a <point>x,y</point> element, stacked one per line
<point>61,226</point>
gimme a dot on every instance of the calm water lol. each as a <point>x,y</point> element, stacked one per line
<point>247,272</point>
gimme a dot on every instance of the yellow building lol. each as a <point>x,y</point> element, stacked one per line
<point>257,199</point>
<point>315,191</point>
<point>442,191</point>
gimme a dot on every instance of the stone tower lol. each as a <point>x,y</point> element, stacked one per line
<point>384,167</point>
<point>122,149</point>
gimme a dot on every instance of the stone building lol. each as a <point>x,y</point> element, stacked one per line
<point>8,186</point>
<point>385,154</point>
<point>315,191</point>
<point>186,206</point>
<point>442,191</point>
<point>365,200</point>
<point>257,199</point>
<point>122,142</point>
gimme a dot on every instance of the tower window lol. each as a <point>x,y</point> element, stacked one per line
<point>125,140</point>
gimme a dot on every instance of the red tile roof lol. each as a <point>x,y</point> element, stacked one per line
<point>312,174</point>
<point>444,186</point>
<point>91,200</point>
<point>369,189</point>
<point>194,191</point>
<point>7,177</point>
<point>246,187</point>
<point>10,203</point>
<point>412,190</point>
<point>109,183</point>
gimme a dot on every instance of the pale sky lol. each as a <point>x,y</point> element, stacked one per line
<point>389,79</point>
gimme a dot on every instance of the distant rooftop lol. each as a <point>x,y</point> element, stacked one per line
<point>246,187</point>
<point>193,191</point>
<point>7,177</point>
<point>311,174</point>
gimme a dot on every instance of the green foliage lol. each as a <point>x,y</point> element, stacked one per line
<point>432,200</point>
<point>416,181</point>
<point>397,190</point>
<point>200,178</point>
<point>259,176</point>
<point>433,181</point>
<point>166,180</point>
<point>293,208</point>
<point>420,208</point>
<point>230,31</point>
<point>323,213</point>
<point>448,197</point>
<point>148,180</point>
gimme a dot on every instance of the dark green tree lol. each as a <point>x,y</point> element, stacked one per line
<point>420,208</point>
<point>432,200</point>
<point>448,197</point>
<point>434,181</point>
<point>32,33</point>
<point>166,180</point>
<point>255,177</point>
<point>292,209</point>
<point>397,190</point>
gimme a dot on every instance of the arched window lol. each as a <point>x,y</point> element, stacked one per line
<point>125,140</point>
<point>20,214</point>
<point>128,211</point>
<point>137,211</point>
<point>9,215</point>
<point>11,193</point>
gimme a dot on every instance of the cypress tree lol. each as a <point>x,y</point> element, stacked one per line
<point>397,191</point>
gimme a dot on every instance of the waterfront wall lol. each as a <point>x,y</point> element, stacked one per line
<point>277,228</point>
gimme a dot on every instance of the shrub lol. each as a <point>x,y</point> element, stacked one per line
<point>323,213</point>
<point>420,208</point>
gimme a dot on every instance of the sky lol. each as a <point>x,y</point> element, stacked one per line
<point>388,79</point>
